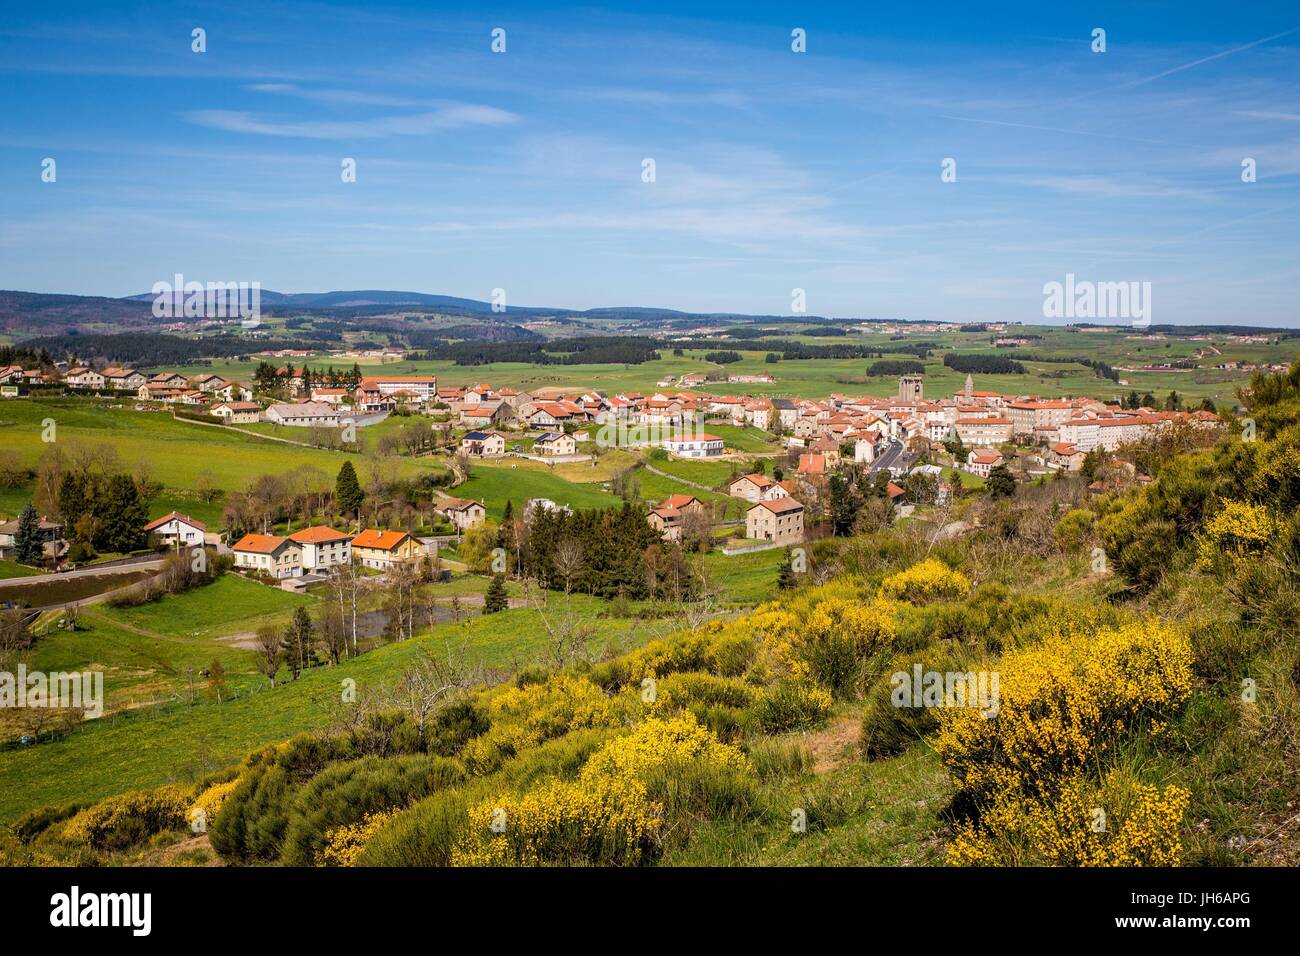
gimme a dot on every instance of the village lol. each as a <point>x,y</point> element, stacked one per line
<point>973,432</point>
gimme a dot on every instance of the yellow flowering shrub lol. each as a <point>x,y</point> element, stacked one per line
<point>126,819</point>
<point>655,743</point>
<point>606,815</point>
<point>1121,823</point>
<point>1238,530</point>
<point>608,821</point>
<point>929,580</point>
<point>210,801</point>
<point>1063,703</point>
<point>791,705</point>
<point>344,844</point>
<point>524,717</point>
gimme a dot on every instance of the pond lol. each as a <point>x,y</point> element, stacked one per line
<point>56,589</point>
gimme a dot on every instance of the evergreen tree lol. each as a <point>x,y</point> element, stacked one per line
<point>844,507</point>
<point>1001,483</point>
<point>122,516</point>
<point>785,576</point>
<point>495,599</point>
<point>73,498</point>
<point>347,490</point>
<point>27,540</point>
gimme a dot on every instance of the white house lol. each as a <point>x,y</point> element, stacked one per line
<point>84,378</point>
<point>462,512</point>
<point>694,446</point>
<point>755,488</point>
<point>981,461</point>
<point>177,530</point>
<point>323,547</point>
<point>555,443</point>
<point>480,444</point>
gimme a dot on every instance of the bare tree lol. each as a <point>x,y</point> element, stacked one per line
<point>568,560</point>
<point>269,651</point>
<point>434,681</point>
<point>567,631</point>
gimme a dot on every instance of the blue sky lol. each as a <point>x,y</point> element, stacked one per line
<point>774,170</point>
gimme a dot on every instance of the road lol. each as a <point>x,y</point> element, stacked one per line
<point>888,458</point>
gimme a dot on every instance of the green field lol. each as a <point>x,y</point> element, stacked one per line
<point>818,378</point>
<point>494,485</point>
<point>229,603</point>
<point>181,742</point>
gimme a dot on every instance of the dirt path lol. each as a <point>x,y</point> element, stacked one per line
<point>835,745</point>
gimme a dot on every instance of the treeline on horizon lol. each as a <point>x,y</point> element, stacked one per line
<point>151,349</point>
<point>580,350</point>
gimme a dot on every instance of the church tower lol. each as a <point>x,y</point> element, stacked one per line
<point>910,388</point>
<point>969,391</point>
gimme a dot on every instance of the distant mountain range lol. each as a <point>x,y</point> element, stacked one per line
<point>46,313</point>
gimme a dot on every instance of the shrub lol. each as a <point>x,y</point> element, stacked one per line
<point>930,580</point>
<point>1121,822</point>
<point>209,803</point>
<point>1063,704</point>
<point>888,729</point>
<point>523,717</point>
<point>130,818</point>
<point>791,705</point>
<point>35,822</point>
<point>609,815</point>
<point>346,793</point>
<point>343,845</point>
<point>609,821</point>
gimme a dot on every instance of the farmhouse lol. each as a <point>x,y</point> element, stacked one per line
<point>686,504</point>
<point>323,547</point>
<point>125,379</point>
<point>84,378</point>
<point>697,446</point>
<point>175,529</point>
<point>237,413</point>
<point>667,522</point>
<point>755,488</point>
<point>304,414</point>
<point>555,443</point>
<point>480,444</point>
<point>981,461</point>
<point>49,532</point>
<point>382,549</point>
<point>779,521</point>
<point>269,554</point>
<point>462,512</point>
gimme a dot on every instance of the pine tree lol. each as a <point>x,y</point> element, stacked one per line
<point>347,490</point>
<point>785,576</point>
<point>495,599</point>
<point>27,540</point>
<point>1001,482</point>
<point>73,499</point>
<point>123,516</point>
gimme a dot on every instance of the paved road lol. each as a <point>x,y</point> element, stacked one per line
<point>887,458</point>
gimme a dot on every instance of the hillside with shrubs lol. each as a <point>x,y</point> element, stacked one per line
<point>1143,635</point>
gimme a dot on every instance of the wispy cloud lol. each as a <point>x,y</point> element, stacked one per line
<point>450,117</point>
